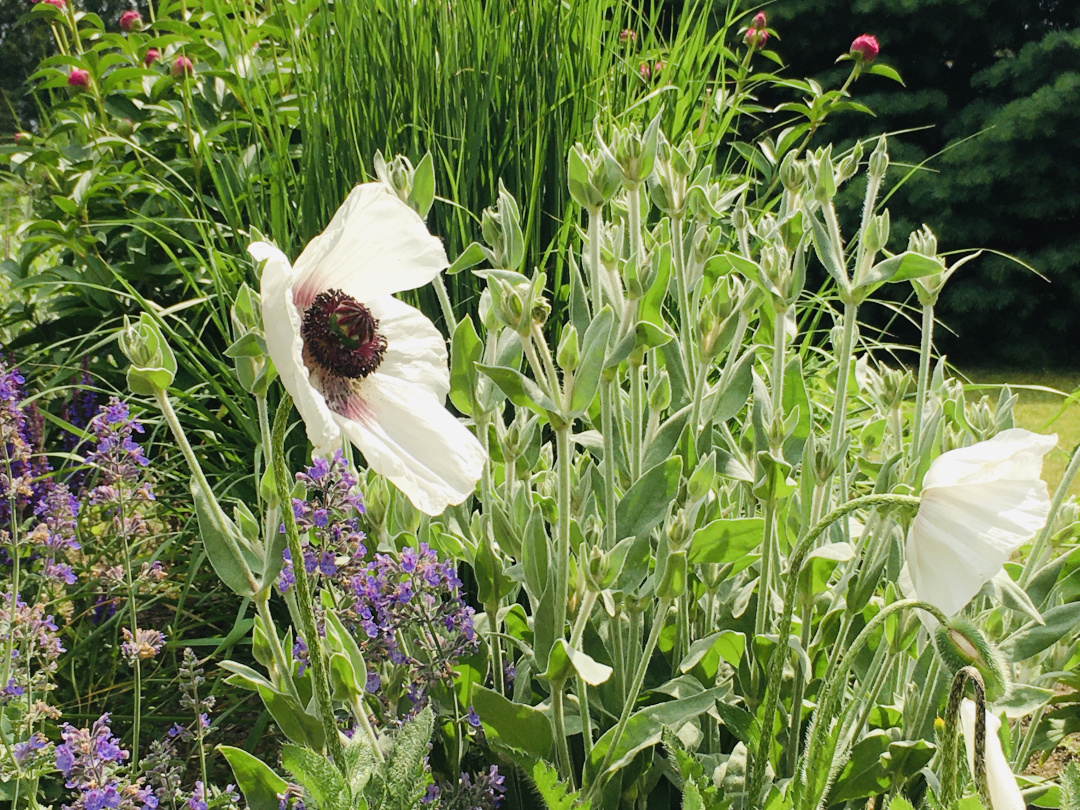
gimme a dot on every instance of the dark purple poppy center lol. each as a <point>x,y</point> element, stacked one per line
<point>340,334</point>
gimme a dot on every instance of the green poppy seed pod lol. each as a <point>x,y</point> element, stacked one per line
<point>567,355</point>
<point>879,158</point>
<point>509,303</point>
<point>960,644</point>
<point>501,229</point>
<point>792,173</point>
<point>660,392</point>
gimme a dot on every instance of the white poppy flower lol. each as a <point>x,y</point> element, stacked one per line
<point>358,361</point>
<point>979,505</point>
<point>1004,792</point>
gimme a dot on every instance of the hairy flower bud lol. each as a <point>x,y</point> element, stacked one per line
<point>659,392</point>
<point>153,365</point>
<point>960,643</point>
<point>591,178</point>
<point>879,158</point>
<point>568,355</point>
<point>792,173</point>
<point>634,151</point>
<point>501,228</point>
<point>414,186</point>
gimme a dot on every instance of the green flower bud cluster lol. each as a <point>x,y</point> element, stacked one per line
<point>633,152</point>
<point>153,364</point>
<point>414,186</point>
<point>592,178</point>
<point>248,350</point>
<point>501,228</point>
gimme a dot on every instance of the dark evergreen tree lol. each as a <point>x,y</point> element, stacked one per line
<point>991,102</point>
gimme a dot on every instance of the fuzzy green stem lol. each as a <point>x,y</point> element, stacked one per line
<point>1038,548</point>
<point>595,272</point>
<point>922,384</point>
<point>304,597</point>
<point>756,773</point>
<point>607,408</point>
<point>637,411</point>
<point>833,691</point>
<point>444,304</point>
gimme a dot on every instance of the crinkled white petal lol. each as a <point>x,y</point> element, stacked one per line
<point>285,345</point>
<point>374,246</point>
<point>1004,791</point>
<point>415,349</point>
<point>979,507</point>
<point>407,436</point>
<point>1013,454</point>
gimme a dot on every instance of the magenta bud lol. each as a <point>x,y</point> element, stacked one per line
<point>79,78</point>
<point>181,67</point>
<point>759,22</point>
<point>152,55</point>
<point>628,35</point>
<point>130,21</point>
<point>865,48</point>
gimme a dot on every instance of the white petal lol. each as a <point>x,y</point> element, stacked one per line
<point>1011,454</point>
<point>375,245</point>
<point>407,436</point>
<point>285,346</point>
<point>963,535</point>
<point>1004,791</point>
<point>415,349</point>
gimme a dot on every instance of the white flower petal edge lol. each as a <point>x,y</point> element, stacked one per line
<point>979,504</point>
<point>374,246</point>
<point>1004,791</point>
<point>406,435</point>
<point>285,345</point>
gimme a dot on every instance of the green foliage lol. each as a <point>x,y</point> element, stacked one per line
<point>556,794</point>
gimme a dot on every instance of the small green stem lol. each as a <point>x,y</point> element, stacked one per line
<point>1038,548</point>
<point>607,425</point>
<point>637,411</point>
<point>284,663</point>
<point>631,699</point>
<point>922,384</point>
<point>444,304</point>
<point>304,596</point>
<point>562,744</point>
<point>595,271</point>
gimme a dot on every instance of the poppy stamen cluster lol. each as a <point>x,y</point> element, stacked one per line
<point>340,334</point>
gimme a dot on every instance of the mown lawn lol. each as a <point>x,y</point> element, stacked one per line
<point>1045,406</point>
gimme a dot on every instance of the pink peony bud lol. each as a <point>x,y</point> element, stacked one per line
<point>79,78</point>
<point>56,3</point>
<point>759,22</point>
<point>865,48</point>
<point>756,38</point>
<point>152,55</point>
<point>644,71</point>
<point>22,136</point>
<point>130,21</point>
<point>182,66</point>
<point>628,35</point>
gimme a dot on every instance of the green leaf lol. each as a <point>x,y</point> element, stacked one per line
<point>470,257</point>
<point>865,773</point>
<point>645,729</point>
<point>593,352</point>
<point>254,777</point>
<point>726,540</point>
<point>406,781</point>
<point>465,350</point>
<point>646,503</point>
<point>564,659</point>
<point>292,718</point>
<point>879,69</point>
<point>514,724</point>
<point>707,652</point>
<point>1032,638</point>
<point>519,389</point>
<point>321,780</point>
<point>222,541</point>
<point>902,267</point>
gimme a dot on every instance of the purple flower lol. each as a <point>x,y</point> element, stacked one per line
<point>473,718</point>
